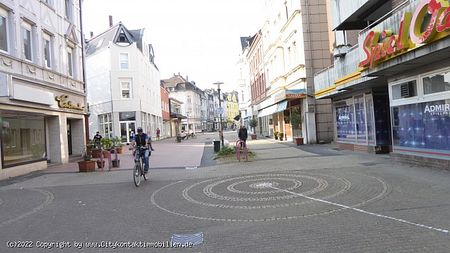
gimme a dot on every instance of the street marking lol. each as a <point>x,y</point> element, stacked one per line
<point>363,211</point>
<point>49,197</point>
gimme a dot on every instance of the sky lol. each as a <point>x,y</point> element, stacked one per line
<point>198,38</point>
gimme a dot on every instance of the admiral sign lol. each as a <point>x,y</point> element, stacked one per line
<point>415,29</point>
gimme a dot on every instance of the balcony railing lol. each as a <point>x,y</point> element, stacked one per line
<point>344,67</point>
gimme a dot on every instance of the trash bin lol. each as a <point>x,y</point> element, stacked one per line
<point>216,146</point>
<point>178,138</point>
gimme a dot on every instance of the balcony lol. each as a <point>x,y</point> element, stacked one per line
<point>344,73</point>
<point>356,14</point>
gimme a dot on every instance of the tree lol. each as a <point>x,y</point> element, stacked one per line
<point>253,123</point>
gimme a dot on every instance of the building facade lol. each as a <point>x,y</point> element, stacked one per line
<point>391,91</point>
<point>232,105</point>
<point>123,84</point>
<point>245,103</point>
<point>191,97</point>
<point>292,44</point>
<point>165,108</point>
<point>42,92</point>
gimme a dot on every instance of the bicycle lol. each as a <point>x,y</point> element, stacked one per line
<point>138,170</point>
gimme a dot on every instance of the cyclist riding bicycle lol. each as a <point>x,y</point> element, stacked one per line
<point>142,142</point>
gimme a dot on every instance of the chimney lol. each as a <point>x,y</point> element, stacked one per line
<point>187,78</point>
<point>92,35</point>
<point>110,21</point>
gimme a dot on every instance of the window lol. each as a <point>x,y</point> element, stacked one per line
<point>123,61</point>
<point>127,116</point>
<point>125,89</point>
<point>68,9</point>
<point>105,125</point>
<point>70,69</point>
<point>23,140</point>
<point>436,83</point>
<point>47,50</point>
<point>27,41</point>
<point>404,90</point>
<point>3,30</point>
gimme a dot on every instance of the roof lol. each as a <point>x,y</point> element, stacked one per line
<point>110,36</point>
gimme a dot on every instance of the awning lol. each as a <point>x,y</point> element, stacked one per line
<point>279,107</point>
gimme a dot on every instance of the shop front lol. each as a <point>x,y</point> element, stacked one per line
<point>411,51</point>
<point>39,125</point>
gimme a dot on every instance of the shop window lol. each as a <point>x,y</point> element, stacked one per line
<point>345,121</point>
<point>436,83</point>
<point>127,116</point>
<point>360,119</point>
<point>404,90</point>
<point>23,140</point>
<point>105,124</point>
<point>370,119</point>
<point>422,126</point>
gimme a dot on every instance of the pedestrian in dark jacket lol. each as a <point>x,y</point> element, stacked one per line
<point>243,135</point>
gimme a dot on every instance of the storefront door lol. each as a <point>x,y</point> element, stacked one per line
<point>127,131</point>
<point>69,136</point>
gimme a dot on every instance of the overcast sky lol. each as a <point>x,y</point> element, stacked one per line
<point>198,38</point>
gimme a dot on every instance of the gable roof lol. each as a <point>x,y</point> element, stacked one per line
<point>109,36</point>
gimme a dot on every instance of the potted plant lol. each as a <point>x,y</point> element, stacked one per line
<point>106,143</point>
<point>296,121</point>
<point>117,144</point>
<point>253,124</point>
<point>275,134</point>
<point>87,165</point>
<point>281,136</point>
<point>95,148</point>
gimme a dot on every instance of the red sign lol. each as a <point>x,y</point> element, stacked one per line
<point>380,46</point>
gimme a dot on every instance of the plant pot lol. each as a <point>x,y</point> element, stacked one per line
<point>298,141</point>
<point>96,153</point>
<point>86,166</point>
<point>253,136</point>
<point>119,150</point>
<point>101,164</point>
<point>116,163</point>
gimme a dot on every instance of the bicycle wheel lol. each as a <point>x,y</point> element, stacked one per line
<point>137,174</point>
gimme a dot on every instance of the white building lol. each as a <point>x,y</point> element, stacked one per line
<point>42,94</point>
<point>191,96</point>
<point>123,84</point>
<point>245,102</point>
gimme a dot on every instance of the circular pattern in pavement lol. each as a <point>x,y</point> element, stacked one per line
<point>32,201</point>
<point>267,196</point>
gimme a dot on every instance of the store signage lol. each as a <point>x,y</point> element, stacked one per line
<point>414,30</point>
<point>67,104</point>
<point>437,110</point>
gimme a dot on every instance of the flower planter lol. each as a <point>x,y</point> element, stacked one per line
<point>96,153</point>
<point>298,141</point>
<point>253,136</point>
<point>116,163</point>
<point>101,164</point>
<point>86,166</point>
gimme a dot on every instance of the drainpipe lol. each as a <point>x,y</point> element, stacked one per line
<point>83,63</point>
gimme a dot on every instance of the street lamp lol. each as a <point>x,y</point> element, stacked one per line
<point>220,113</point>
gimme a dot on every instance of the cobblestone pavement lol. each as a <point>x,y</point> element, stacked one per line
<point>286,199</point>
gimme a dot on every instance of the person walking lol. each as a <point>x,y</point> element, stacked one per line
<point>97,139</point>
<point>243,135</point>
<point>158,132</point>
